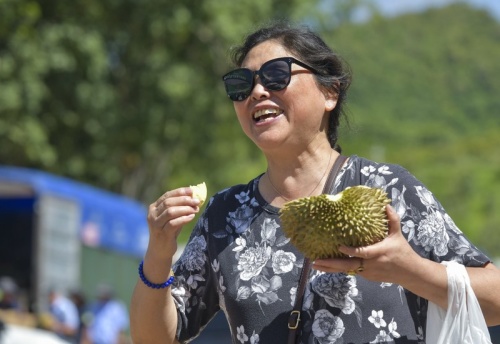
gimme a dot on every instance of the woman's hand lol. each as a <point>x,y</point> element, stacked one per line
<point>390,260</point>
<point>166,217</point>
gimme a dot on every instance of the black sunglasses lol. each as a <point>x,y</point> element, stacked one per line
<point>275,75</point>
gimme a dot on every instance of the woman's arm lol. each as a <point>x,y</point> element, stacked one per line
<point>393,260</point>
<point>485,282</point>
<point>153,315</point>
<point>429,280</point>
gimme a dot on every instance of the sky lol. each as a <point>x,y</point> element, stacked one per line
<point>395,7</point>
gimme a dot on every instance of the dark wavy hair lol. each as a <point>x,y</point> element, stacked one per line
<point>334,74</point>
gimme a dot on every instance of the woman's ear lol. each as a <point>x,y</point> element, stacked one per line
<point>330,103</point>
<point>331,98</point>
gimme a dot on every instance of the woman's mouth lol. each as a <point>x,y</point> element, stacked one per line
<point>266,114</point>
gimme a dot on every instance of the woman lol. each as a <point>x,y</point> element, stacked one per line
<point>288,94</point>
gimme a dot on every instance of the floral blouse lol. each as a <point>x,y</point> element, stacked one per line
<point>239,261</point>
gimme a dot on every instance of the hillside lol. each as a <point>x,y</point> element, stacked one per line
<point>425,95</point>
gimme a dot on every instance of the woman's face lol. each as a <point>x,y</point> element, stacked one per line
<point>291,118</point>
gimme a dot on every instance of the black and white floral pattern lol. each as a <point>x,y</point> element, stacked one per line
<point>239,260</point>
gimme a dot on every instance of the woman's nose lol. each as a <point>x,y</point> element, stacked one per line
<point>259,91</point>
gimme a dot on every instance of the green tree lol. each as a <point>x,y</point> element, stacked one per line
<point>126,95</point>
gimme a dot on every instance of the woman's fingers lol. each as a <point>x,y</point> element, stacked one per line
<point>381,261</point>
<point>166,217</point>
<point>173,209</point>
<point>350,266</point>
<point>180,196</point>
<point>394,220</point>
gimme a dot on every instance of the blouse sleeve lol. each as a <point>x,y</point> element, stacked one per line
<point>424,222</point>
<point>194,291</point>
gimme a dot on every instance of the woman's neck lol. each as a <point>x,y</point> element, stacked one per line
<point>302,177</point>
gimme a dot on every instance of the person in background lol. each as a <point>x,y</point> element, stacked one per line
<point>108,319</point>
<point>65,320</point>
<point>8,293</point>
<point>78,298</point>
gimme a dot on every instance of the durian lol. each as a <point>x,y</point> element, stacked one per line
<point>317,225</point>
<point>200,192</point>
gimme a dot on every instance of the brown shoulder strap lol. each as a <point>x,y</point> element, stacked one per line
<point>294,318</point>
<point>330,182</point>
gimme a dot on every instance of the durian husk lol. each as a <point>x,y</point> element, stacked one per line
<point>200,192</point>
<point>318,225</point>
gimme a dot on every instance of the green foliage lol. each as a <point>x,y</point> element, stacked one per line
<point>124,94</point>
<point>424,96</point>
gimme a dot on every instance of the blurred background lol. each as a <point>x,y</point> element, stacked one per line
<point>105,105</point>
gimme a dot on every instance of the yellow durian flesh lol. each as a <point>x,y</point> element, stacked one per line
<point>318,225</point>
<point>200,192</point>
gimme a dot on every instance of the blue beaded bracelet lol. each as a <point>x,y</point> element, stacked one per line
<point>155,285</point>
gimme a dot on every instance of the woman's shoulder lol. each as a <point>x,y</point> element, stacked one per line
<point>363,163</point>
<point>237,192</point>
<point>367,166</point>
<point>363,171</point>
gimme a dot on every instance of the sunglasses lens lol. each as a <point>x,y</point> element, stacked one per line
<point>276,75</point>
<point>238,84</point>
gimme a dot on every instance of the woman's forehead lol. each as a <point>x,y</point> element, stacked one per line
<point>264,52</point>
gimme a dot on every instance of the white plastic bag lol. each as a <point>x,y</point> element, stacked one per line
<point>463,322</point>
